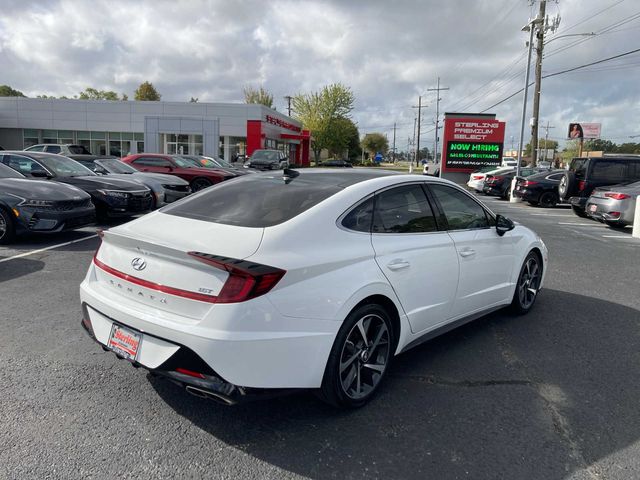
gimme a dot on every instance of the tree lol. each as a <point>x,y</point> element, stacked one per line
<point>343,135</point>
<point>542,144</point>
<point>147,92</point>
<point>7,91</point>
<point>318,112</point>
<point>93,94</point>
<point>599,145</point>
<point>374,143</point>
<point>628,148</point>
<point>259,96</point>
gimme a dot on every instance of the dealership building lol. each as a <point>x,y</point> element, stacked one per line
<point>223,130</point>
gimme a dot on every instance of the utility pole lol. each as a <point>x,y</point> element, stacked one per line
<point>437,90</point>
<point>394,143</point>
<point>413,144</point>
<point>288,99</point>
<point>417,138</point>
<point>546,139</point>
<point>536,90</point>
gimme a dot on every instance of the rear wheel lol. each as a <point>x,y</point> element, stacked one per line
<point>359,358</point>
<point>579,211</point>
<point>200,183</point>
<point>533,204</point>
<point>7,228</point>
<point>528,284</point>
<point>548,199</point>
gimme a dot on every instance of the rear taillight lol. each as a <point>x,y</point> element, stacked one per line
<point>614,214</point>
<point>581,185</point>
<point>617,196</point>
<point>246,279</point>
<point>478,177</point>
<point>529,183</point>
<point>191,373</point>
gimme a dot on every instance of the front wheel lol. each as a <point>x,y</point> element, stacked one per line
<point>548,200</point>
<point>359,358</point>
<point>528,284</point>
<point>7,228</point>
<point>199,184</point>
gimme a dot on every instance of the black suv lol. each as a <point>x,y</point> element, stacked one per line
<point>585,174</point>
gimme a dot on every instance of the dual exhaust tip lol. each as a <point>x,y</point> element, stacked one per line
<point>208,394</point>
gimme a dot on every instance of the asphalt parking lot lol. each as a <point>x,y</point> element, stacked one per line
<point>550,395</point>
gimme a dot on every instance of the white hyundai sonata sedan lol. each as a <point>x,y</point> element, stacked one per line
<point>308,279</point>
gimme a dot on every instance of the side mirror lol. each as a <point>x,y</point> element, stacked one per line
<point>40,174</point>
<point>503,224</point>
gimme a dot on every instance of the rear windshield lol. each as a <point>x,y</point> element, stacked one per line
<point>255,200</point>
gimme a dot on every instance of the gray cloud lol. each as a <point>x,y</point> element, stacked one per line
<point>387,53</point>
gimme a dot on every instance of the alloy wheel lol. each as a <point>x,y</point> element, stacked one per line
<point>3,227</point>
<point>529,282</point>
<point>364,356</point>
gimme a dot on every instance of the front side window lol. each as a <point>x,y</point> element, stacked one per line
<point>460,210</point>
<point>35,148</point>
<point>6,172</point>
<point>403,209</point>
<point>24,165</point>
<point>63,166</point>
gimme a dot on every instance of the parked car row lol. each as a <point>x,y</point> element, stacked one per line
<point>603,188</point>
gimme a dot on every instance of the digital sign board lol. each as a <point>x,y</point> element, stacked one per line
<point>472,143</point>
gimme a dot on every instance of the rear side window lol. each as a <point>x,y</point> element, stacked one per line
<point>461,211</point>
<point>556,177</point>
<point>152,162</point>
<point>403,210</point>
<point>359,219</point>
<point>579,167</point>
<point>634,170</point>
<point>53,149</point>
<point>609,171</point>
<point>254,200</point>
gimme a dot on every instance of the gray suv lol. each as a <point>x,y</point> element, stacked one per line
<point>268,160</point>
<point>585,174</point>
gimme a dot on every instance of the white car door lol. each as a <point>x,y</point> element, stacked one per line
<point>420,262</point>
<point>485,258</point>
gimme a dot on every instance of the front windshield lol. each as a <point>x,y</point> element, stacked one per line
<point>222,163</point>
<point>115,166</point>
<point>6,172</point>
<point>63,166</point>
<point>267,155</point>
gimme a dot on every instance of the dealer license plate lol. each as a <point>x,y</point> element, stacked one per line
<point>124,342</point>
<point>593,208</point>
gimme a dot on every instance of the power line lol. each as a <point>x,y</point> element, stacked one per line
<point>564,71</point>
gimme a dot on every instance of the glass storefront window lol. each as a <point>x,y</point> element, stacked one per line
<point>138,136</point>
<point>127,136</point>
<point>98,147</point>
<point>83,136</point>
<point>181,143</point>
<point>98,135</point>
<point>140,147</point>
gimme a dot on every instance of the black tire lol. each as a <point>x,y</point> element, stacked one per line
<point>350,380</point>
<point>615,225</point>
<point>7,228</point>
<point>579,211</point>
<point>199,184</point>
<point>527,285</point>
<point>567,185</point>
<point>548,200</point>
<point>506,194</point>
<point>533,204</point>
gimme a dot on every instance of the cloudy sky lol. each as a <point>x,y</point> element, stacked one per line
<point>389,53</point>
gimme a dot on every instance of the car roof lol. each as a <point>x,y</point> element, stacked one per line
<point>33,155</point>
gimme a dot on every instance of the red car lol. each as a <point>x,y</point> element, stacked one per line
<point>197,177</point>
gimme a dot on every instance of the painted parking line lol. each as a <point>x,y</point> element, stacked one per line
<point>553,214</point>
<point>618,236</point>
<point>40,250</point>
<point>581,224</point>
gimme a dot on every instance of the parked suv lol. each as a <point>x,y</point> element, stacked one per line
<point>585,174</point>
<point>268,160</point>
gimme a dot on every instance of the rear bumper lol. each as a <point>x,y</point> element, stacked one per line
<point>477,185</point>
<point>493,190</point>
<point>249,344</point>
<point>602,209</point>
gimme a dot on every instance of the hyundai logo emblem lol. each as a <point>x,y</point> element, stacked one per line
<point>138,264</point>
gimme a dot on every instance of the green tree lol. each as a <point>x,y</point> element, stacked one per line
<point>147,92</point>
<point>599,145</point>
<point>374,143</point>
<point>93,94</point>
<point>628,148</point>
<point>319,112</point>
<point>542,144</point>
<point>343,136</point>
<point>570,151</point>
<point>258,95</point>
<point>7,91</point>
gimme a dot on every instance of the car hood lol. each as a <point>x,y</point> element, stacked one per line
<point>41,189</point>
<point>90,184</point>
<point>160,177</point>
<point>209,171</point>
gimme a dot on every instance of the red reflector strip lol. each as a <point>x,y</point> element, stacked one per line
<point>191,373</point>
<point>155,286</point>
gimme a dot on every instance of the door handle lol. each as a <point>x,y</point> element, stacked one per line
<point>397,264</point>
<point>467,252</point>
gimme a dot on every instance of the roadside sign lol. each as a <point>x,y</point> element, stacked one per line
<point>579,130</point>
<point>472,143</point>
